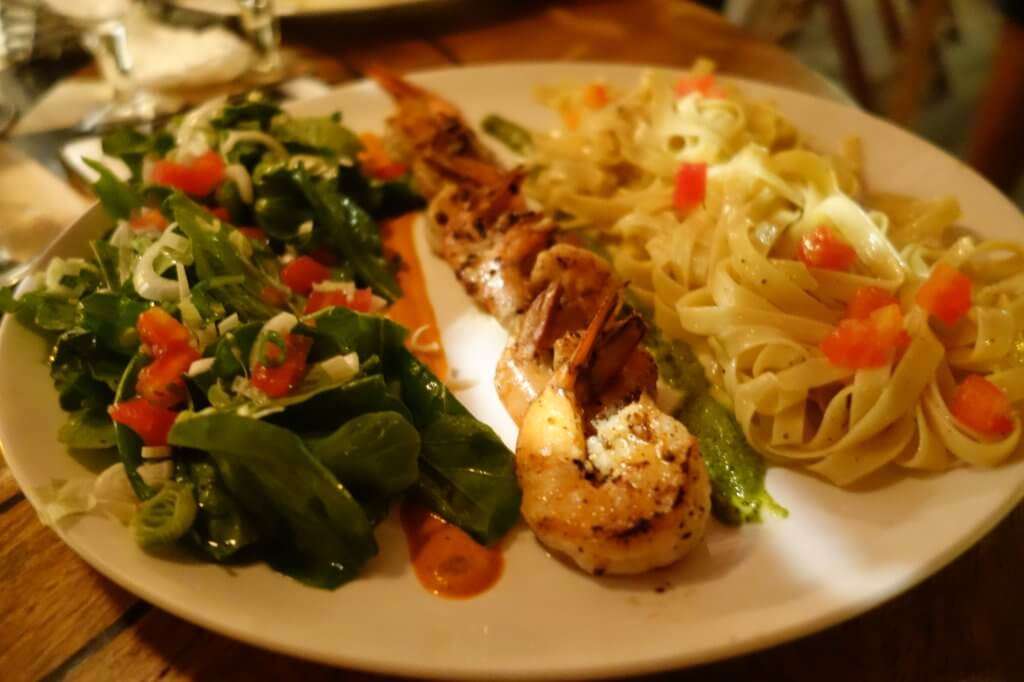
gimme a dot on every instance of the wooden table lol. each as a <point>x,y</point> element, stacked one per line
<point>60,619</point>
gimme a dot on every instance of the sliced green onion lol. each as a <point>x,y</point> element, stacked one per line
<point>165,517</point>
<point>272,338</point>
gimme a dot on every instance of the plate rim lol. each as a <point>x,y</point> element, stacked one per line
<point>833,615</point>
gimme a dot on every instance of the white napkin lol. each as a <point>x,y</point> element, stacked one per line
<point>171,57</point>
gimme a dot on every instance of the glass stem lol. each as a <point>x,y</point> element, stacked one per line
<point>108,43</point>
<point>261,27</point>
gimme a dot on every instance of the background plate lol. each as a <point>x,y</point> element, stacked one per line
<point>838,554</point>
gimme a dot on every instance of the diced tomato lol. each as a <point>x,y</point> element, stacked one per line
<point>161,382</point>
<point>361,300</point>
<point>823,248</point>
<point>867,300</point>
<point>273,296</point>
<point>571,118</point>
<point>281,375</point>
<point>318,300</point>
<point>220,213</point>
<point>691,186</point>
<point>888,323</point>
<point>704,84</point>
<point>160,332</point>
<point>983,406</point>
<point>595,95</point>
<point>868,342</point>
<point>324,256</point>
<point>390,171</point>
<point>302,273</point>
<point>255,234</point>
<point>198,177</point>
<point>946,294</point>
<point>151,422</point>
<point>376,160</point>
<point>148,219</point>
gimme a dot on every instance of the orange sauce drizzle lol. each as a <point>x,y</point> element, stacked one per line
<point>413,310</point>
<point>447,561</point>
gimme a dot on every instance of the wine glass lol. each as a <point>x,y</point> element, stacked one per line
<point>260,25</point>
<point>103,34</point>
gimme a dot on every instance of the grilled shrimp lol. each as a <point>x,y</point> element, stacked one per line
<point>608,479</point>
<point>491,241</point>
<point>478,220</point>
<point>432,135</point>
<point>571,282</point>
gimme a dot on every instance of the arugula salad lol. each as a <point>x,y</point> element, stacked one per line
<point>224,343</point>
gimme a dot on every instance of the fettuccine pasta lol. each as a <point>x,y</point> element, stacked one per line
<point>727,274</point>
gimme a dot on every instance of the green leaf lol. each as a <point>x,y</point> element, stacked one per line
<point>373,455</point>
<point>231,353</point>
<point>280,206</point>
<point>106,258</point>
<point>53,314</point>
<point>132,146</point>
<point>129,445</point>
<point>331,409</point>
<point>380,199</point>
<point>280,216</point>
<point>426,396</point>
<point>87,429</point>
<point>84,373</point>
<point>467,475</point>
<point>112,317</point>
<point>228,197</point>
<point>317,532</point>
<point>125,141</point>
<point>316,135</point>
<point>253,112</point>
<point>117,197</point>
<point>215,256</point>
<point>350,231</point>
<point>8,303</point>
<point>222,528</point>
<point>339,331</point>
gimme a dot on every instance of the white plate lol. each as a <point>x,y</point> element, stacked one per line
<point>838,554</point>
<point>288,8</point>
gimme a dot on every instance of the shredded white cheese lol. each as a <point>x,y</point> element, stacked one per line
<point>228,323</point>
<point>341,367</point>
<point>200,366</point>
<point>416,343</point>
<point>328,285</point>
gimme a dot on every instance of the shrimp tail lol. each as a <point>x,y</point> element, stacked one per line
<point>396,86</point>
<point>580,357</point>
